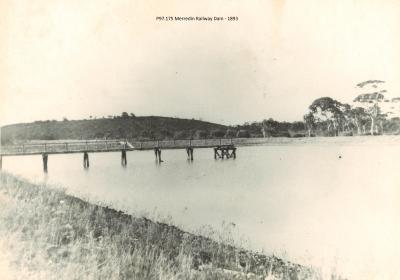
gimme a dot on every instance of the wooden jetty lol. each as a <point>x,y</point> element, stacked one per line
<point>223,148</point>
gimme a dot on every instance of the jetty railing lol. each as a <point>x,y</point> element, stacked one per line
<point>203,143</point>
<point>179,144</point>
<point>109,145</point>
<point>54,147</point>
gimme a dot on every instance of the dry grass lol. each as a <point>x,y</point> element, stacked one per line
<point>56,236</point>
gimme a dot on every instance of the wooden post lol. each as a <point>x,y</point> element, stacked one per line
<point>45,147</point>
<point>123,158</point>
<point>1,162</point>
<point>86,145</point>
<point>189,151</point>
<point>157,152</point>
<point>85,160</point>
<point>215,153</point>
<point>45,158</point>
<point>159,155</point>
<point>234,153</point>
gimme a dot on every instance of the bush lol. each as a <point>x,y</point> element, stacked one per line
<point>201,134</point>
<point>298,135</point>
<point>217,133</point>
<point>243,134</point>
<point>230,133</point>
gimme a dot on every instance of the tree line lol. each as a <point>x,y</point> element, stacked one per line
<point>366,116</point>
<point>325,117</point>
<point>329,117</point>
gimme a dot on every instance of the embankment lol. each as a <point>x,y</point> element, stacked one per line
<point>54,235</point>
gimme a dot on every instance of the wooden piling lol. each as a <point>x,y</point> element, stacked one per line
<point>227,151</point>
<point>123,158</point>
<point>156,152</point>
<point>45,159</point>
<point>189,151</point>
<point>85,160</point>
<point>159,155</point>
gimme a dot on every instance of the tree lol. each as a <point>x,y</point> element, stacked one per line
<point>328,111</point>
<point>230,133</point>
<point>358,117</point>
<point>381,119</point>
<point>393,125</point>
<point>373,113</point>
<point>201,134</point>
<point>310,122</point>
<point>269,127</point>
<point>298,126</point>
<point>124,115</point>
<point>345,120</point>
<point>243,134</point>
<point>371,101</point>
<point>217,133</point>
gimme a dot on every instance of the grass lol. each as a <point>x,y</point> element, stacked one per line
<point>53,235</point>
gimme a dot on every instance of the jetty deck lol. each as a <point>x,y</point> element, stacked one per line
<point>223,148</point>
<point>98,146</point>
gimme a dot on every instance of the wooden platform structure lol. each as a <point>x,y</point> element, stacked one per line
<point>223,148</point>
<point>225,151</point>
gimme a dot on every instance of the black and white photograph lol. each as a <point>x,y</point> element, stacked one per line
<point>200,140</point>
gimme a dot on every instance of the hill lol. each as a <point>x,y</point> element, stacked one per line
<point>143,128</point>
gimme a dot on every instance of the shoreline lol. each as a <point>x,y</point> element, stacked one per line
<point>70,232</point>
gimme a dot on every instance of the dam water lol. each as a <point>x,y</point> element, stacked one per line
<point>331,203</point>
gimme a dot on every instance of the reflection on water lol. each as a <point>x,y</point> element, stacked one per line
<point>330,205</point>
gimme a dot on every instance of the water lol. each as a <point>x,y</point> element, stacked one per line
<point>331,203</point>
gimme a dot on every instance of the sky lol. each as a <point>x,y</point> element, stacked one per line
<point>84,58</point>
